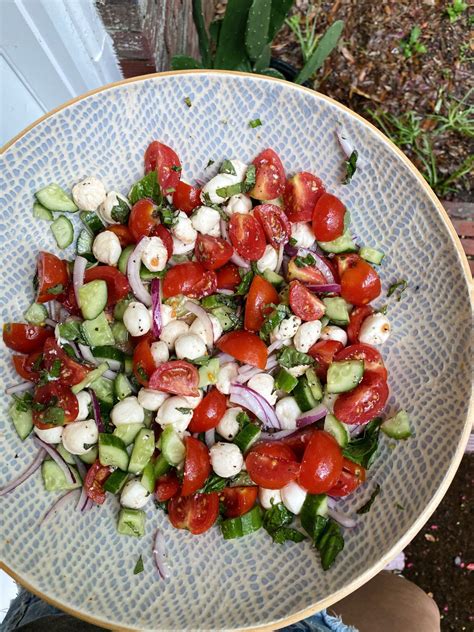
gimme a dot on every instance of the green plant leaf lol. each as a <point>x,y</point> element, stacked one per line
<point>215,30</point>
<point>278,14</point>
<point>230,51</point>
<point>183,62</point>
<point>324,48</point>
<point>271,72</point>
<point>203,37</point>
<point>264,60</point>
<point>256,33</point>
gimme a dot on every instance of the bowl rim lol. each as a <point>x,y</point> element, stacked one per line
<point>406,538</point>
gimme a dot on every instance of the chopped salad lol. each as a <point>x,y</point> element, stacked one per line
<point>211,348</point>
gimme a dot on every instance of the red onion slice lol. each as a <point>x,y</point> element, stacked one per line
<point>96,412</point>
<point>242,263</point>
<point>276,345</point>
<point>156,298</point>
<point>109,375</point>
<point>315,414</point>
<point>159,555</point>
<point>347,145</point>
<point>57,458</point>
<point>133,273</point>
<point>322,266</point>
<point>57,505</point>
<point>19,388</point>
<point>224,357</point>
<point>245,377</point>
<point>210,437</point>
<point>86,353</point>
<point>276,436</point>
<point>281,250</point>
<point>39,458</point>
<point>254,402</point>
<point>203,317</point>
<point>80,264</point>
<point>333,288</point>
<point>50,322</point>
<point>225,292</point>
<point>344,520</point>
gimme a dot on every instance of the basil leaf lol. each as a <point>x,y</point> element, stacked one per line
<point>250,178</point>
<point>276,517</point>
<point>71,330</point>
<point>366,508</point>
<point>209,163</point>
<point>351,166</point>
<point>138,566</point>
<point>120,211</point>
<point>303,262</point>
<point>284,534</point>
<point>147,187</point>
<point>244,284</point>
<point>363,449</point>
<point>330,544</point>
<point>273,319</point>
<point>232,189</point>
<point>55,369</point>
<point>188,101</point>
<point>401,286</point>
<point>184,410</point>
<point>255,123</point>
<point>24,402</point>
<point>227,167</point>
<point>53,415</point>
<point>290,357</point>
<point>214,483</point>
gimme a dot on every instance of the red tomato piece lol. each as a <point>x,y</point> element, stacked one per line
<point>364,402</point>
<point>343,262</point>
<point>143,363</point>
<point>351,477</point>
<point>269,177</point>
<point>212,252</point>
<point>54,394</point>
<point>25,338</point>
<point>323,352</point>
<point>357,317</point>
<point>372,359</point>
<point>142,219</point>
<point>328,217</point>
<point>322,463</point>
<point>305,304</point>
<point>238,500</point>
<point>177,376</point>
<point>190,279</point>
<point>164,234</point>
<point>70,372</point>
<point>117,283</point>
<point>307,274</point>
<point>247,236</point>
<point>52,275</point>
<point>274,222</point>
<point>272,465</point>
<point>166,486</point>
<point>302,191</point>
<point>261,293</point>
<point>360,283</point>
<point>298,440</point>
<point>123,233</point>
<point>185,197</point>
<point>228,277</point>
<point>68,300</point>
<point>197,466</point>
<point>165,161</point>
<point>27,367</point>
<point>94,482</point>
<point>209,411</point>
<point>245,347</point>
<point>196,513</point>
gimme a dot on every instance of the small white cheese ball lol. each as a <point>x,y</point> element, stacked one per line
<point>189,347</point>
<point>155,255</point>
<point>106,248</point>
<point>375,330</point>
<point>175,411</point>
<point>137,319</point>
<point>287,411</point>
<point>198,328</point>
<point>128,411</point>
<point>106,208</point>
<point>89,194</point>
<point>286,329</point>
<point>160,352</point>
<point>84,400</point>
<point>293,497</point>
<point>193,402</point>
<point>227,374</point>
<point>183,229</point>
<point>134,495</point>
<point>264,384</point>
<point>150,399</point>
<point>239,203</point>
<point>181,248</point>
<point>303,234</point>
<point>167,314</point>
<point>205,219</point>
<point>79,436</point>
<point>298,370</point>
<point>240,169</point>
<point>308,333</point>
<point>172,331</point>
<point>215,231</point>
<point>268,497</point>
<point>226,459</point>
<point>269,259</point>
<point>50,435</point>
<point>220,181</point>
<point>332,332</point>
<point>228,426</point>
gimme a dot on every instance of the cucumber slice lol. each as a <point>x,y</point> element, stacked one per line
<point>243,525</point>
<point>343,243</point>
<point>172,448</point>
<point>22,420</point>
<point>91,377</point>
<point>92,221</point>
<point>372,255</point>
<point>148,417</point>
<point>148,275</point>
<point>108,352</point>
<point>337,310</point>
<point>54,478</point>
<point>93,299</point>
<point>120,333</point>
<point>112,451</point>
<point>324,321</point>
<point>122,387</point>
<point>303,395</point>
<point>284,381</point>
<point>148,477</point>
<point>120,307</point>
<point>226,317</point>
<point>246,437</point>
<point>128,432</point>
<point>53,198</point>
<point>104,389</point>
<point>131,522</point>
<point>84,242</point>
<point>208,374</point>
<point>344,376</point>
<point>314,506</point>
<point>63,231</point>
<point>116,481</point>
<point>124,257</point>
<point>314,384</point>
<point>97,332</point>
<point>272,277</point>
<point>91,456</point>
<point>398,426</point>
<point>143,449</point>
<point>36,314</point>
<point>40,212</point>
<point>67,456</point>
<point>337,429</point>
<point>161,466</point>
<point>128,365</point>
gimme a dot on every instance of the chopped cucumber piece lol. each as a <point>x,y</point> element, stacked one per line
<point>67,456</point>
<point>148,477</point>
<point>161,466</point>
<point>120,333</point>
<point>128,365</point>
<point>131,522</point>
<point>243,525</point>
<point>344,243</point>
<point>63,231</point>
<point>104,389</point>
<point>112,451</point>
<point>247,436</point>
<point>272,277</point>
<point>172,448</point>
<point>314,505</point>
<point>324,321</point>
<point>84,242</point>
<point>314,384</point>
<point>143,449</point>
<point>22,420</point>
<point>36,314</point>
<point>92,221</point>
<point>96,331</point>
<point>284,381</point>
<point>124,257</point>
<point>90,378</point>
<point>120,307</point>
<point>148,275</point>
<point>208,374</point>
<point>303,395</point>
<point>226,317</point>
<point>115,481</point>
<point>54,478</point>
<point>91,456</point>
<point>108,352</point>
<point>148,417</point>
<point>128,432</point>
<point>40,212</point>
<point>337,310</point>
<point>398,426</point>
<point>344,376</point>
<point>54,198</point>
<point>93,299</point>
<point>122,386</point>
<point>337,429</point>
<point>372,255</point>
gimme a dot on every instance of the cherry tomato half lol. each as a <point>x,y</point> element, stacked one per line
<point>164,160</point>
<point>323,352</point>
<point>247,236</point>
<point>190,279</point>
<point>117,283</point>
<point>307,274</point>
<point>351,477</point>
<point>185,197</point>
<point>142,219</point>
<point>196,513</point>
<point>245,347</point>
<point>328,217</point>
<point>166,486</point>
<point>269,177</point>
<point>302,191</point>
<point>209,411</point>
<point>164,234</point>
<point>228,277</point>
<point>274,222</point>
<point>143,362</point>
<point>212,252</point>
<point>261,293</point>
<point>177,376</point>
<point>357,317</point>
<point>272,465</point>
<point>304,304</point>
<point>238,500</point>
<point>28,366</point>
<point>94,482</point>
<point>57,395</point>
<point>52,274</point>
<point>70,371</point>
<point>123,233</point>
<point>298,441</point>
<point>360,283</point>
<point>322,463</point>
<point>25,338</point>
<point>373,362</point>
<point>197,466</point>
<point>364,402</point>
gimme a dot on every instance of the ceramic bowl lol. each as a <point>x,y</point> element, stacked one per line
<point>79,562</point>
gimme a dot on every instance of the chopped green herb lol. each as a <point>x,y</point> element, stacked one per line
<point>55,368</point>
<point>209,163</point>
<point>249,180</point>
<point>163,505</point>
<point>290,357</point>
<point>351,166</point>
<point>176,168</point>
<point>330,543</point>
<point>147,187</point>
<point>184,410</point>
<point>383,309</point>
<point>272,320</point>
<point>366,508</point>
<point>141,372</point>
<point>188,102</point>
<point>202,361</point>
<point>244,284</point>
<point>275,521</point>
<point>56,289</point>
<point>363,449</point>
<point>170,190</point>
<point>53,415</point>
<point>255,123</point>
<point>243,420</point>
<point>401,286</point>
<point>168,216</point>
<point>303,262</point>
<point>138,566</point>
<point>24,402</point>
<point>37,363</point>
<point>228,167</point>
<point>292,241</point>
<point>232,189</point>
<point>214,483</point>
<point>71,330</point>
<point>399,507</point>
<point>120,211</point>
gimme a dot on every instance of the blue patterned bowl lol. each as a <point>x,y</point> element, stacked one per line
<point>79,562</point>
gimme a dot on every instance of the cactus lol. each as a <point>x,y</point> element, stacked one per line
<point>278,14</point>
<point>230,52</point>
<point>324,48</point>
<point>203,37</point>
<point>258,22</point>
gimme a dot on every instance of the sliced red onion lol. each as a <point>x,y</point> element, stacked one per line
<point>315,414</point>
<point>57,458</point>
<point>133,273</point>
<point>80,264</point>
<point>86,353</point>
<point>290,250</point>
<point>277,345</point>
<point>210,437</point>
<point>156,298</point>
<point>224,357</point>
<point>39,458</point>
<point>50,322</point>
<point>334,288</point>
<point>281,250</point>
<point>55,307</point>
<point>57,505</point>
<point>242,263</point>
<point>322,266</point>
<point>225,292</point>
<point>96,411</point>
<point>203,317</point>
<point>276,436</point>
<point>159,555</point>
<point>256,403</point>
<point>88,505</point>
<point>114,365</point>
<point>271,363</point>
<point>224,231</point>
<point>200,182</point>
<point>19,388</point>
<point>110,375</point>
<point>248,375</point>
<point>343,519</point>
<point>347,145</point>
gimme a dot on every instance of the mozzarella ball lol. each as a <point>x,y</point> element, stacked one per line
<point>106,248</point>
<point>175,411</point>
<point>134,495</point>
<point>183,229</point>
<point>204,219</point>
<point>268,497</point>
<point>79,436</point>
<point>88,194</point>
<point>293,497</point>
<point>264,384</point>
<point>160,352</point>
<point>50,435</point>
<point>307,334</point>
<point>137,319</point>
<point>182,248</point>
<point>228,426</point>
<point>298,370</point>
<point>286,329</point>
<point>172,331</point>
<point>84,400</point>
<point>128,411</point>
<point>239,203</point>
<point>155,254</point>
<point>227,374</point>
<point>375,330</point>
<point>220,181</point>
<point>150,399</point>
<point>215,230</point>
<point>332,332</point>
<point>106,209</point>
<point>193,402</point>
<point>226,459</point>
<point>269,259</point>
<point>287,411</point>
<point>189,347</point>
<point>167,314</point>
<point>240,169</point>
<point>303,234</point>
<point>198,328</point>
